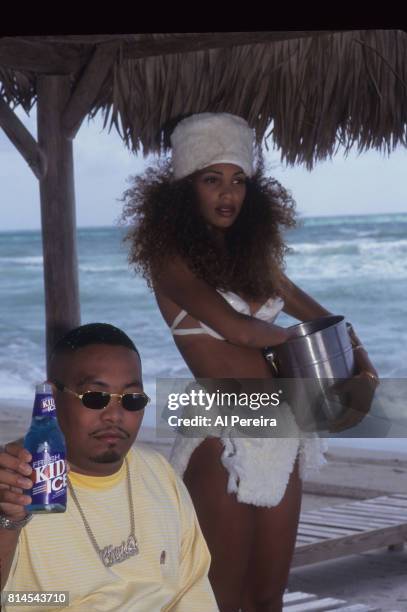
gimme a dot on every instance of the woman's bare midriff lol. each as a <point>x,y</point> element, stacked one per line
<point>208,357</point>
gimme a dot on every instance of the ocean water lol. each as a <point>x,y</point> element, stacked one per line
<point>353,265</point>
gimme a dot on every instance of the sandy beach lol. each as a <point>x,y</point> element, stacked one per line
<point>377,577</point>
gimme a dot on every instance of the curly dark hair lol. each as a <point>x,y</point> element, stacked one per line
<point>165,222</point>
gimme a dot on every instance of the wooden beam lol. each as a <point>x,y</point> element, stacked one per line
<point>186,43</point>
<point>84,39</point>
<point>38,57</point>
<point>144,39</point>
<point>67,54</point>
<point>22,139</point>
<point>57,211</point>
<point>88,88</point>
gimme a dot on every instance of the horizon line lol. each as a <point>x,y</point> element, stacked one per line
<point>300,215</point>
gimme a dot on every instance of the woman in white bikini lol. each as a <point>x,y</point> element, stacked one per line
<point>206,236</point>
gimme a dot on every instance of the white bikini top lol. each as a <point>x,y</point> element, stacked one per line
<point>267,312</point>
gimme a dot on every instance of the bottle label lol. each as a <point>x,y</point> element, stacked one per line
<point>49,478</point>
<point>44,405</point>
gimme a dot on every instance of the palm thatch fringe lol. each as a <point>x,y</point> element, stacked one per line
<point>307,95</point>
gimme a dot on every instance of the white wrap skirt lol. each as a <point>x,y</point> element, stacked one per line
<point>259,468</point>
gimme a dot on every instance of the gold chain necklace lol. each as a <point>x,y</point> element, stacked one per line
<point>110,554</point>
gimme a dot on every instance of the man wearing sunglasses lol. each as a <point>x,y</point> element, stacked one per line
<point>129,539</point>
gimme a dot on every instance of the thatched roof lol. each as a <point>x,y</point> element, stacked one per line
<point>318,90</point>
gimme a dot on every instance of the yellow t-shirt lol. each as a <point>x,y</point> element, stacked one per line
<point>55,553</point>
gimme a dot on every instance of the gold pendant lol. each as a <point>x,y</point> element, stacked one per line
<point>117,554</point>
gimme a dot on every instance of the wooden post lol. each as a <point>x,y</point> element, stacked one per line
<point>57,193</point>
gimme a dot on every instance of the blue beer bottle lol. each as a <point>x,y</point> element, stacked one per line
<point>46,443</point>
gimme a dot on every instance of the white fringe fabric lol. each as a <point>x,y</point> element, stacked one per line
<point>259,468</point>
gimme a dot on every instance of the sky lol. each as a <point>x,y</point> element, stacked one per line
<point>370,183</point>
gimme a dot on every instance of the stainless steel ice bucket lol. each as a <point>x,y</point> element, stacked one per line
<point>318,354</point>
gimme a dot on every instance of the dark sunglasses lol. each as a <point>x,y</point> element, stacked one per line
<point>96,400</point>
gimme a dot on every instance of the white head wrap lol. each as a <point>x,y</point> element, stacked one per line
<point>205,139</point>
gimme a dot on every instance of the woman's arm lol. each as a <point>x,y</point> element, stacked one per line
<point>299,304</point>
<point>202,302</point>
<point>362,361</point>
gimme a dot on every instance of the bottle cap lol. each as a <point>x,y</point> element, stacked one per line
<point>43,388</point>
